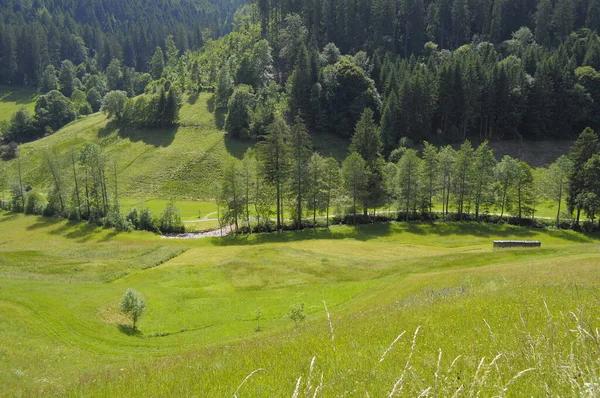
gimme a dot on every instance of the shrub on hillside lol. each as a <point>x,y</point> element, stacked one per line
<point>147,221</point>
<point>35,203</point>
<point>170,221</point>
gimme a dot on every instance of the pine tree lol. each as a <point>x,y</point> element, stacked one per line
<point>355,175</point>
<point>157,64</point>
<point>273,154</point>
<point>300,146</point>
<point>543,16</point>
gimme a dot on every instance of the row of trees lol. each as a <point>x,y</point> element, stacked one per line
<point>83,186</point>
<point>284,173</point>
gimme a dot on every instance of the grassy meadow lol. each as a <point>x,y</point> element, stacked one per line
<point>12,98</point>
<point>474,319</point>
<point>182,163</point>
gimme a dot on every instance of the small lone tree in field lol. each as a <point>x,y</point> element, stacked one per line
<point>133,305</point>
<point>297,314</point>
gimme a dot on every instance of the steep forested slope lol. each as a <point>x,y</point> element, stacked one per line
<point>34,34</point>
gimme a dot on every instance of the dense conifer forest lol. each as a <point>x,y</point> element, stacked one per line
<point>38,33</point>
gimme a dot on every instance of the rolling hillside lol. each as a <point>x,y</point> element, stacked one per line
<point>181,162</point>
<point>486,321</point>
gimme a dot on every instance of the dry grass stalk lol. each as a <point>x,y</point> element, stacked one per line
<point>330,326</point>
<point>391,346</point>
<point>399,384</point>
<point>246,379</point>
<point>297,389</point>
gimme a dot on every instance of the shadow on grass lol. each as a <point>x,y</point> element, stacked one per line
<point>19,96</point>
<point>157,137</point>
<point>79,230</point>
<point>10,216</point>
<point>43,222</point>
<point>483,230</point>
<point>192,99</point>
<point>129,331</point>
<point>220,115</point>
<point>210,103</point>
<point>361,232</point>
<point>237,148</point>
<point>367,232</point>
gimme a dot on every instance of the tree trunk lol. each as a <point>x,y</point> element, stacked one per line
<point>559,202</point>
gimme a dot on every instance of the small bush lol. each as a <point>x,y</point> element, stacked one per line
<point>296,314</point>
<point>170,221</point>
<point>35,203</point>
<point>147,221</point>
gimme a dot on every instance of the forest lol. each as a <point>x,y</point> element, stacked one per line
<point>38,33</point>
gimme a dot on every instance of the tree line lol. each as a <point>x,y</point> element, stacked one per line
<point>83,185</point>
<point>72,91</point>
<point>282,176</point>
<point>517,88</point>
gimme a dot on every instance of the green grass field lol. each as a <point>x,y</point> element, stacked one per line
<point>13,98</point>
<point>179,163</point>
<point>500,312</point>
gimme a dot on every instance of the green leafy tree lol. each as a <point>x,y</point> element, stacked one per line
<point>586,146</point>
<point>447,159</point>
<point>94,98</point>
<point>524,190</point>
<point>170,220</point>
<point>237,123</point>
<point>332,182</point>
<point>408,180</point>
<point>224,88</point>
<point>231,194</point>
<point>506,173</point>
<point>355,175</point>
<point>53,110</point>
<point>316,190</point>
<point>49,80</point>
<point>133,306</point>
<point>113,104</point>
<point>114,75</point>
<point>429,174</point>
<point>557,182</point>
<point>483,172</point>
<point>463,173</point>
<point>22,126</point>
<point>297,314</point>
<point>591,171</point>
<point>66,78</point>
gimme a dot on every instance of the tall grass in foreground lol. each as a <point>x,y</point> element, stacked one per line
<point>543,354</point>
